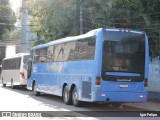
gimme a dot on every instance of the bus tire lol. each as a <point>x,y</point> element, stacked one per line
<point>67,96</point>
<point>75,100</point>
<point>3,84</point>
<point>34,90</point>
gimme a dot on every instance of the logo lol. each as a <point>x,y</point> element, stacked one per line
<point>124,80</point>
<point>6,114</point>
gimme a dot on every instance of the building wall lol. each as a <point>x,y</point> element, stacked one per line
<point>154,79</point>
<point>10,50</point>
<point>154,75</point>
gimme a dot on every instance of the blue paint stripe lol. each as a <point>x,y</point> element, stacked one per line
<point>122,74</point>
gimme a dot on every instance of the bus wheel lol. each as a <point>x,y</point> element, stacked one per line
<point>67,96</point>
<point>75,100</point>
<point>3,84</point>
<point>34,90</point>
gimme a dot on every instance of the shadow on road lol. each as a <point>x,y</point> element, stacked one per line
<point>87,108</point>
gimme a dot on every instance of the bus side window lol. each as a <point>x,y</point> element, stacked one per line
<point>91,48</point>
<point>59,53</point>
<point>36,56</point>
<point>43,55</point>
<point>50,54</point>
<point>81,50</point>
<point>17,63</point>
<point>4,65</point>
<point>69,49</point>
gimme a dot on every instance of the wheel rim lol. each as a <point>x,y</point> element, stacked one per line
<point>75,97</point>
<point>66,95</point>
<point>34,88</point>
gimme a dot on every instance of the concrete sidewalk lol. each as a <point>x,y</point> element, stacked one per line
<point>152,105</point>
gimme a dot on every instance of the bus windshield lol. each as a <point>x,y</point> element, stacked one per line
<point>123,56</point>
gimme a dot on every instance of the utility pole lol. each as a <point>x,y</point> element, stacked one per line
<point>80,16</point>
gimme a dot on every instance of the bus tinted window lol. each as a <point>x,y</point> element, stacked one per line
<point>91,48</point>
<point>124,53</point>
<point>43,55</point>
<point>18,63</point>
<point>85,49</point>
<point>81,50</point>
<point>59,53</point>
<point>36,56</point>
<point>11,64</point>
<point>50,54</point>
<point>69,49</point>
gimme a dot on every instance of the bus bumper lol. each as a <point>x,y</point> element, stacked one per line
<point>120,96</point>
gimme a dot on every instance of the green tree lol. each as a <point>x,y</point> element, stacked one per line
<point>7,17</point>
<point>53,19</point>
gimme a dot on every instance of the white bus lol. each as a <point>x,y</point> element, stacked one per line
<point>0,69</point>
<point>14,70</point>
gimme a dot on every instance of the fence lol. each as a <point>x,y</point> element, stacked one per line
<point>154,78</point>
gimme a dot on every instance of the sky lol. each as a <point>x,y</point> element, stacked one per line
<point>15,4</point>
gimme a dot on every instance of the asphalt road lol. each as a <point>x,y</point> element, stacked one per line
<point>23,100</point>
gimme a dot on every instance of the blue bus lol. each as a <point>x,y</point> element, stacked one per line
<point>103,65</point>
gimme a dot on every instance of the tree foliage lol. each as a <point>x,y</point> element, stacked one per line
<point>53,19</point>
<point>7,17</point>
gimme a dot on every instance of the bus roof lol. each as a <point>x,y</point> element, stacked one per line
<point>88,34</point>
<point>67,39</point>
<point>16,55</point>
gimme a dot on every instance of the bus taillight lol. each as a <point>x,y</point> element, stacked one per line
<point>98,83</point>
<point>145,82</point>
<point>22,74</point>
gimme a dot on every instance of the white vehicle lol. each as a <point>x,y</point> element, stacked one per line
<point>0,69</point>
<point>14,70</point>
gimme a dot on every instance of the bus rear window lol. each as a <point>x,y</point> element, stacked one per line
<point>123,52</point>
<point>10,64</point>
